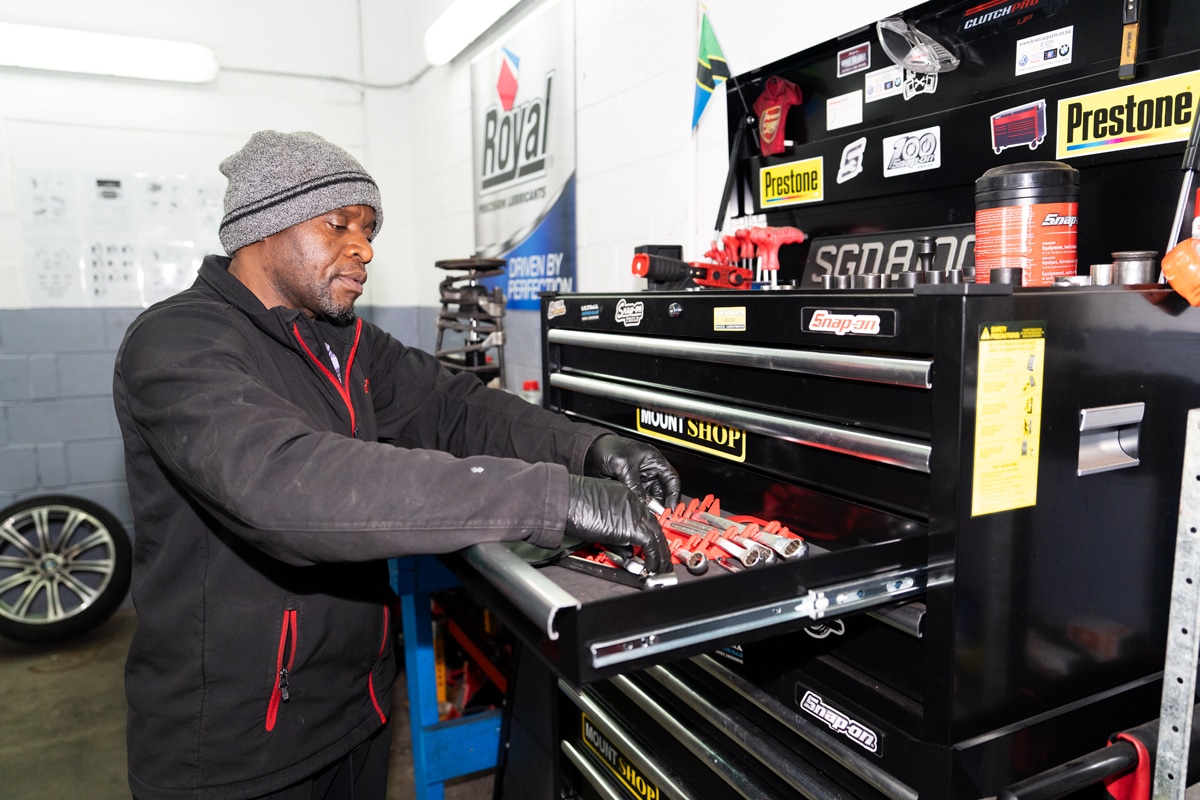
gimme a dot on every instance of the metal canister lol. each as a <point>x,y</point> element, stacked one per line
<point>1135,266</point>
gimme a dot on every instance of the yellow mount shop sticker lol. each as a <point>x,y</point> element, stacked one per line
<point>694,434</point>
<point>1133,115</point>
<point>1008,416</point>
<point>792,183</point>
<point>617,763</point>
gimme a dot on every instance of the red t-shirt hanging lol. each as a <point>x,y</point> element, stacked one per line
<point>771,107</point>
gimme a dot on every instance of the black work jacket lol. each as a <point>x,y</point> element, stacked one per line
<point>267,492</point>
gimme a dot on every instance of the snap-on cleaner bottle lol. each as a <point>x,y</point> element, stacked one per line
<point>532,392</point>
<point>1027,216</point>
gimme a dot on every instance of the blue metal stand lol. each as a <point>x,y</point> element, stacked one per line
<point>441,750</point>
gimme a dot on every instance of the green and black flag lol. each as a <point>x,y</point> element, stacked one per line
<point>711,69</point>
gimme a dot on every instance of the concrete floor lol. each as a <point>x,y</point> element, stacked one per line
<point>62,722</point>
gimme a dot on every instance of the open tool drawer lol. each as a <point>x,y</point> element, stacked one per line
<point>589,628</point>
<point>779,436</point>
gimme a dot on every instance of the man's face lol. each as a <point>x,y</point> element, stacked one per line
<point>320,266</point>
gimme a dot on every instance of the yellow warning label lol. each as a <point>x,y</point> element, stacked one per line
<point>1008,416</point>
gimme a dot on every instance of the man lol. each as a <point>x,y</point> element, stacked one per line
<point>278,449</point>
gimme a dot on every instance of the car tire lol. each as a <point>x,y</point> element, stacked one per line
<point>65,565</point>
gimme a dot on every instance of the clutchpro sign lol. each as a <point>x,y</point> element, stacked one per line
<point>523,125</point>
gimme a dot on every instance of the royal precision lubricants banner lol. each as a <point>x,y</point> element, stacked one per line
<point>523,122</point>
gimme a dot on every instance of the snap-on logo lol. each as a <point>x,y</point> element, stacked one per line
<point>824,321</point>
<point>630,314</point>
<point>916,151</point>
<point>1058,219</point>
<point>839,723</point>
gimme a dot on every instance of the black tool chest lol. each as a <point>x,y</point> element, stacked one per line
<point>983,648</point>
<point>988,476</point>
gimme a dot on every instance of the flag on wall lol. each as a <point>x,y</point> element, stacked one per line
<point>711,70</point>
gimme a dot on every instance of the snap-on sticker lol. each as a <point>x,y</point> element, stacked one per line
<point>839,722</point>
<point>852,160</point>
<point>915,151</point>
<point>630,314</point>
<point>854,59</point>
<point>849,321</point>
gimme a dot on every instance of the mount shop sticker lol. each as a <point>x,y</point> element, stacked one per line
<point>1132,115</point>
<point>621,767</point>
<point>792,183</point>
<point>838,722</point>
<point>694,434</point>
<point>849,321</point>
<point>1008,416</point>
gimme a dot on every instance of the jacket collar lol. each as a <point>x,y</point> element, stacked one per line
<point>275,322</point>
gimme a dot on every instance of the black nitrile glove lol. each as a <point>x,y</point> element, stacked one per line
<point>607,513</point>
<point>639,466</point>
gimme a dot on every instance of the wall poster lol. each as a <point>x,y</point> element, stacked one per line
<point>523,137</point>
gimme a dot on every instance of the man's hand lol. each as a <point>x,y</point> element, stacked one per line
<point>606,512</point>
<point>639,466</point>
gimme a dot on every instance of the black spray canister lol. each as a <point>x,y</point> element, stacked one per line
<point>1026,217</point>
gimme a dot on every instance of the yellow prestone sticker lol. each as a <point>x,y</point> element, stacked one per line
<point>792,183</point>
<point>1132,115</point>
<point>1008,416</point>
<point>730,318</point>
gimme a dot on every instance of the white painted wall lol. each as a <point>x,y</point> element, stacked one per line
<point>353,71</point>
<point>642,175</point>
<point>55,121</point>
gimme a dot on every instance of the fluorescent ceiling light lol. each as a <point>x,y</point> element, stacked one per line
<point>61,50</point>
<point>459,25</point>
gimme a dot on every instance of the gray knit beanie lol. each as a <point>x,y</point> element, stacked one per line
<point>281,179</point>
